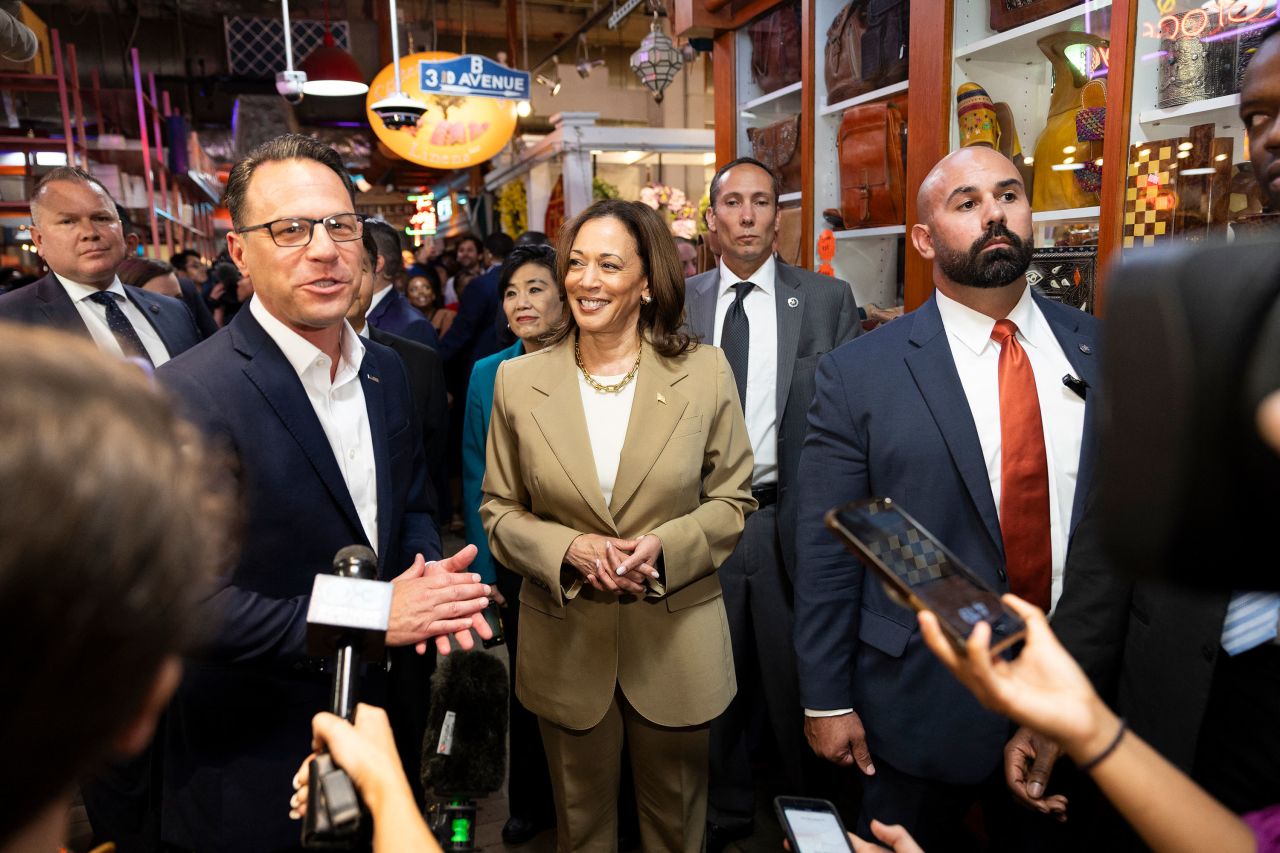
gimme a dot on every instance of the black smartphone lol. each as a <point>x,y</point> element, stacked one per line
<point>493,615</point>
<point>494,618</point>
<point>919,572</point>
<point>812,826</point>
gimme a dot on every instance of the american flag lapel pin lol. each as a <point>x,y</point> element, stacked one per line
<point>373,378</point>
<point>661,399</point>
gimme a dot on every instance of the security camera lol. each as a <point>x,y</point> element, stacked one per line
<point>398,111</point>
<point>289,85</point>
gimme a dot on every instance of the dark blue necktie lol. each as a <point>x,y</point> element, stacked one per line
<point>119,324</point>
<point>735,338</point>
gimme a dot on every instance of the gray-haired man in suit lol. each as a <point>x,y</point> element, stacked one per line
<point>773,321</point>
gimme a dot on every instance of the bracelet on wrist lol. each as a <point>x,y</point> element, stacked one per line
<point>1111,747</point>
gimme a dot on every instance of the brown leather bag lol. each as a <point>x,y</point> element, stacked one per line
<point>872,146</point>
<point>778,148</point>
<point>775,48</point>
<point>843,54</point>
<point>1007,14</point>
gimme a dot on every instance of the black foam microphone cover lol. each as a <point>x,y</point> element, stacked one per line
<point>469,705</point>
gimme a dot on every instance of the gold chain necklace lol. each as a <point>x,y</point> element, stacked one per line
<point>607,389</point>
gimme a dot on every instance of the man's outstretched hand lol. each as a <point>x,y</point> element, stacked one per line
<point>436,600</point>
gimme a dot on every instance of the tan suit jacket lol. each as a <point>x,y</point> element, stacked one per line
<point>685,476</point>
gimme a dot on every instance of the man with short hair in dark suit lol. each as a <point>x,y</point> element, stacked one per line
<point>773,322</point>
<point>319,425</point>
<point>409,681</point>
<point>78,233</point>
<point>959,412</point>
<point>389,310</point>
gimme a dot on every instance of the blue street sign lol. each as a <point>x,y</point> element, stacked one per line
<point>471,75</point>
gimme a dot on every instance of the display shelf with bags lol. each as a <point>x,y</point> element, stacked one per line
<point>1038,94</point>
<point>1188,172</point>
<point>770,94</point>
<point>860,94</point>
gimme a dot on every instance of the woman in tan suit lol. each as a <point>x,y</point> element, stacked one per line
<point>617,479</point>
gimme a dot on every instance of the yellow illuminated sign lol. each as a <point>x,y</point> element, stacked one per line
<point>455,132</point>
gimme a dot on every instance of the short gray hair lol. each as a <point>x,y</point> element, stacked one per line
<point>288,146</point>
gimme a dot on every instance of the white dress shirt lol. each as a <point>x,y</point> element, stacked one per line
<point>339,406</point>
<point>977,360</point>
<point>761,405</point>
<point>608,414</point>
<point>95,317</point>
<point>378,297</point>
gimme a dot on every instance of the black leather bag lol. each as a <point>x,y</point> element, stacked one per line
<point>884,44</point>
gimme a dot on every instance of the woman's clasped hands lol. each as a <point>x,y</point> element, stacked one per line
<point>619,566</point>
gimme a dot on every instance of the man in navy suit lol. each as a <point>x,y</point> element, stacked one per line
<point>390,311</point>
<point>960,413</point>
<point>319,425</point>
<point>76,229</point>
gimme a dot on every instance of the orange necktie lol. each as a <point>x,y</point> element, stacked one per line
<point>1024,474</point>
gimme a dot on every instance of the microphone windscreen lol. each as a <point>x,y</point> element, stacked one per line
<point>464,750</point>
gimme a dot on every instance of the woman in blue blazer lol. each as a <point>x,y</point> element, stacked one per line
<point>533,306</point>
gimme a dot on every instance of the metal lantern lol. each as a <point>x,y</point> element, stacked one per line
<point>656,61</point>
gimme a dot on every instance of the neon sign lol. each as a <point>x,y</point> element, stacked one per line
<point>424,220</point>
<point>1209,20</point>
<point>444,210</point>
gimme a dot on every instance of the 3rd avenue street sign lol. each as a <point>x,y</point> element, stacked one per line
<point>476,76</point>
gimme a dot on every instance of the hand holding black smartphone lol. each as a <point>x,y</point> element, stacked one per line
<point>919,572</point>
<point>812,825</point>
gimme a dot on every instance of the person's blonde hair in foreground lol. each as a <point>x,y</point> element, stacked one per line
<point>1045,689</point>
<point>367,751</point>
<point>110,524</point>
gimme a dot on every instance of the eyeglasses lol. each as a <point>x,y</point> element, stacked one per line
<point>296,231</point>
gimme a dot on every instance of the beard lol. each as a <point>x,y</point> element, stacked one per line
<point>996,268</point>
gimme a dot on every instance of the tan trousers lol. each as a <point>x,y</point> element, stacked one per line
<point>670,769</point>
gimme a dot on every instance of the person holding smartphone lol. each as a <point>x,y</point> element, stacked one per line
<point>959,412</point>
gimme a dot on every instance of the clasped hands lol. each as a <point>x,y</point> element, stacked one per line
<point>437,599</point>
<point>619,566</point>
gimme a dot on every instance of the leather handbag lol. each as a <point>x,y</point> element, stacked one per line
<point>1007,14</point>
<point>884,44</point>
<point>843,54</point>
<point>872,146</point>
<point>778,148</point>
<point>775,48</point>
<point>790,231</point>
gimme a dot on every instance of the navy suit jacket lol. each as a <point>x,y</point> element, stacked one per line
<point>394,314</point>
<point>472,335</point>
<point>46,303</point>
<point>240,722</point>
<point>890,419</point>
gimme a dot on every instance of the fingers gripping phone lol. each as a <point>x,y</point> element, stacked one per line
<point>919,572</point>
<point>812,826</point>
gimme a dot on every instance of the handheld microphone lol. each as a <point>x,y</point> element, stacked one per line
<point>347,618</point>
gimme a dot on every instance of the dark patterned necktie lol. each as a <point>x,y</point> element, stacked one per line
<point>735,338</point>
<point>118,323</point>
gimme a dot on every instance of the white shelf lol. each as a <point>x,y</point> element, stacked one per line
<point>1223,111</point>
<point>873,95</point>
<point>866,233</point>
<point>776,95</point>
<point>787,198</point>
<point>1072,214</point>
<point>1019,43</point>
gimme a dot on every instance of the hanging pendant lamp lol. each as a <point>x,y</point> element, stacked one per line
<point>656,61</point>
<point>330,70</point>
